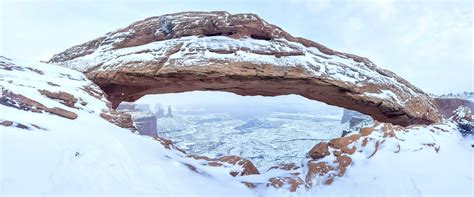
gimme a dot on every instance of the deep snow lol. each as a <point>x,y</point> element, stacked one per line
<point>90,156</point>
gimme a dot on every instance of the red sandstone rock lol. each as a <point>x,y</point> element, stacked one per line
<point>165,142</point>
<point>292,182</point>
<point>65,98</point>
<point>247,165</point>
<point>366,131</point>
<point>343,161</point>
<point>342,142</point>
<point>446,106</point>
<point>320,150</point>
<point>317,169</point>
<point>19,101</point>
<point>62,112</point>
<point>243,54</point>
<point>93,91</point>
<point>118,118</point>
<point>6,123</point>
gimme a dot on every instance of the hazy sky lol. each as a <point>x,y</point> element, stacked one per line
<point>427,42</point>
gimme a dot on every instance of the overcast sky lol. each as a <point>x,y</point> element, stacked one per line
<point>429,43</point>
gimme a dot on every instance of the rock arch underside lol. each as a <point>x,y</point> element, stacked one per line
<point>243,54</point>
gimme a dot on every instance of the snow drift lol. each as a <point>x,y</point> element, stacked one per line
<point>46,153</point>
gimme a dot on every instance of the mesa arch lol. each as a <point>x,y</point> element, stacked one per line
<point>243,54</point>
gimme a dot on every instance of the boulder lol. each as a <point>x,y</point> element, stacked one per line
<point>319,150</point>
<point>247,166</point>
<point>64,97</point>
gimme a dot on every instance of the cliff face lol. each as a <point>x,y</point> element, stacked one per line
<point>243,54</point>
<point>446,106</point>
<point>143,119</point>
<point>145,123</point>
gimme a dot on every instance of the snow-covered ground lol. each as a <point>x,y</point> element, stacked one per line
<point>465,95</point>
<point>267,139</point>
<point>421,161</point>
<point>90,156</point>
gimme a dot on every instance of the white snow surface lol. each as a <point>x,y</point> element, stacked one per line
<point>110,160</point>
<point>89,156</point>
<point>416,170</point>
<point>267,139</point>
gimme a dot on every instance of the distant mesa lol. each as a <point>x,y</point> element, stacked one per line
<point>144,119</point>
<point>243,54</point>
<point>145,122</point>
<point>355,120</point>
<point>447,104</point>
<point>125,106</point>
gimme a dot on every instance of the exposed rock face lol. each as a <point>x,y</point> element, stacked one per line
<point>353,117</point>
<point>356,121</point>
<point>463,117</point>
<point>291,179</point>
<point>141,116</point>
<point>320,150</point>
<point>348,114</point>
<point>243,54</point>
<point>65,98</point>
<point>142,107</point>
<point>19,101</point>
<point>40,92</point>
<point>145,123</point>
<point>119,118</point>
<point>125,106</point>
<point>446,106</point>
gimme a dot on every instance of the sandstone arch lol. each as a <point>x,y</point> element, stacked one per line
<point>245,55</point>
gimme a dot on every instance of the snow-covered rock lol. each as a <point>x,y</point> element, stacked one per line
<point>145,121</point>
<point>447,106</point>
<point>463,116</point>
<point>243,54</point>
<point>387,160</point>
<point>44,153</point>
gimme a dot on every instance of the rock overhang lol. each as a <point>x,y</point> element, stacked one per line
<point>243,54</point>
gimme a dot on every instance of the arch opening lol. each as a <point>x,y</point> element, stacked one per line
<point>266,130</point>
